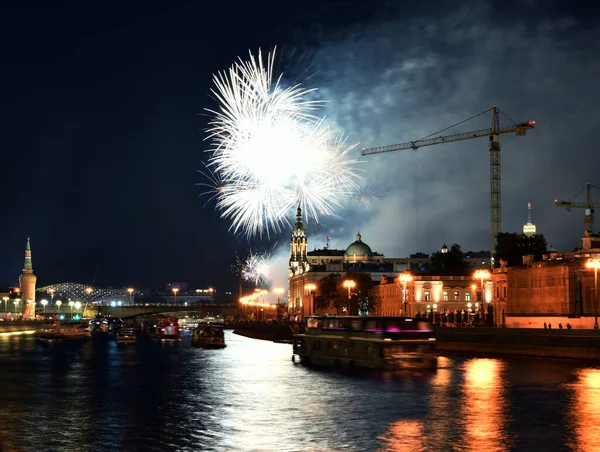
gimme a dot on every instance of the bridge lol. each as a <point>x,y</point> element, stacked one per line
<point>135,310</point>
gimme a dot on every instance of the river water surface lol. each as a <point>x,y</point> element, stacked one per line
<point>165,396</point>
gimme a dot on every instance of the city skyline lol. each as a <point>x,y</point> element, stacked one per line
<point>106,124</point>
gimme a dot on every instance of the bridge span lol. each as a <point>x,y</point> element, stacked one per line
<point>135,310</point>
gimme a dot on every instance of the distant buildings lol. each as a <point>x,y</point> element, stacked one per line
<point>307,268</point>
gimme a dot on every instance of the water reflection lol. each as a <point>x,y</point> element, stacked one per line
<point>404,435</point>
<point>584,411</point>
<point>484,407</point>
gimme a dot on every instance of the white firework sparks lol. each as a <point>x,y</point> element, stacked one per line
<point>256,268</point>
<point>271,152</point>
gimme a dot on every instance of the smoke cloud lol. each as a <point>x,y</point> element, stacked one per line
<point>404,78</point>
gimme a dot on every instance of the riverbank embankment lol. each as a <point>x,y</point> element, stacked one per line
<point>19,326</point>
<point>277,332</point>
<point>554,343</point>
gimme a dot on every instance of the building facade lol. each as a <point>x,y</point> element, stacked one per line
<point>557,289</point>
<point>27,282</point>
<point>426,294</point>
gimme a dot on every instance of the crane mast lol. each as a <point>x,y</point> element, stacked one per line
<point>495,170</point>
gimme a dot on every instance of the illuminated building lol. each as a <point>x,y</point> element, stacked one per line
<point>557,289</point>
<point>27,282</point>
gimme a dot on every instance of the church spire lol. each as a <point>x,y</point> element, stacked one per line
<point>28,267</point>
<point>298,258</point>
<point>529,229</point>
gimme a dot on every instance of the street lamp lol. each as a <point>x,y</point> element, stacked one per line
<point>16,302</point>
<point>404,279</point>
<point>595,264</point>
<point>130,290</point>
<point>311,287</point>
<point>44,303</point>
<point>58,303</point>
<point>279,291</point>
<point>5,299</point>
<point>175,290</point>
<point>71,303</point>
<point>482,274</point>
<point>350,284</point>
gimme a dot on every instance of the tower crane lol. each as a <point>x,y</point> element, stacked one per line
<point>588,205</point>
<point>493,133</point>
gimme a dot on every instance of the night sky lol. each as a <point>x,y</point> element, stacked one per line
<point>103,125</point>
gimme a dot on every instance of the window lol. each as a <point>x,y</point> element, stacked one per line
<point>445,296</point>
<point>456,296</point>
<point>478,296</point>
<point>427,296</point>
<point>467,296</point>
<point>504,292</point>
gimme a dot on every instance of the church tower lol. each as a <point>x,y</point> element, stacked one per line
<point>298,259</point>
<point>27,281</point>
<point>529,228</point>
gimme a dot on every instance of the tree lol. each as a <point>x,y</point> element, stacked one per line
<point>329,288</point>
<point>333,293</point>
<point>360,300</point>
<point>450,263</point>
<point>511,247</point>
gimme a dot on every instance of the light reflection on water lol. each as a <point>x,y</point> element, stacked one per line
<point>251,397</point>
<point>584,411</point>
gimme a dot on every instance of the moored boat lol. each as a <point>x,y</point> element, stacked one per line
<point>58,330</point>
<point>384,343</point>
<point>208,336</point>
<point>126,335</point>
<point>166,328</point>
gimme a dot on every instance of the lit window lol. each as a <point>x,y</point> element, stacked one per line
<point>467,296</point>
<point>427,296</point>
<point>456,296</point>
<point>445,296</point>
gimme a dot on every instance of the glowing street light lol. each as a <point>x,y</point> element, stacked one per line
<point>482,274</point>
<point>58,303</point>
<point>77,305</point>
<point>349,284</point>
<point>130,290</point>
<point>595,264</point>
<point>44,303</point>
<point>404,279</point>
<point>5,299</point>
<point>71,303</point>
<point>279,291</point>
<point>16,302</point>
<point>175,290</point>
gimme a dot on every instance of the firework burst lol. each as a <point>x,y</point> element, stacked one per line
<point>366,197</point>
<point>256,268</point>
<point>271,151</point>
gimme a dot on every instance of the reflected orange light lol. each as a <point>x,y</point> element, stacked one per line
<point>584,412</point>
<point>484,408</point>
<point>404,435</point>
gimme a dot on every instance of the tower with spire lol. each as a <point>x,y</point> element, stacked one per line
<point>27,282</point>
<point>298,258</point>
<point>529,228</point>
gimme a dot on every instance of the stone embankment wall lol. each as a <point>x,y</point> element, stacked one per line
<point>266,331</point>
<point>18,326</point>
<point>555,343</point>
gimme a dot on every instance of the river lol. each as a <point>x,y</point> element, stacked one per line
<point>164,396</point>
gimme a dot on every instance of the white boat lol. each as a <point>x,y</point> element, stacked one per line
<point>57,330</point>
